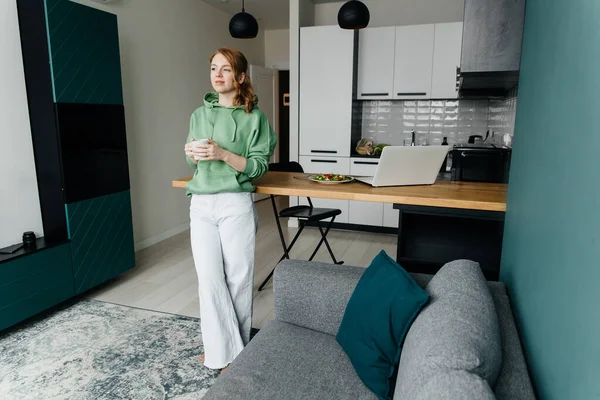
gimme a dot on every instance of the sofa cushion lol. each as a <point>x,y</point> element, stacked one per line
<point>457,330</point>
<point>513,381</point>
<point>384,303</point>
<point>313,294</point>
<point>285,361</point>
<point>455,384</point>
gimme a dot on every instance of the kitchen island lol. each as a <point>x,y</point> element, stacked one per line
<point>437,223</point>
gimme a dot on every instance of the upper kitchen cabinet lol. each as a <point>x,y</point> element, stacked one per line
<point>413,61</point>
<point>491,46</point>
<point>326,83</point>
<point>446,60</point>
<point>376,63</point>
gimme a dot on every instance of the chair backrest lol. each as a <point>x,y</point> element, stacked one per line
<point>291,166</point>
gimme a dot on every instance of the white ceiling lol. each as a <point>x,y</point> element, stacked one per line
<point>271,14</point>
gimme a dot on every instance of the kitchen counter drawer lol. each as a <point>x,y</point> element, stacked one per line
<point>363,167</point>
<point>325,165</point>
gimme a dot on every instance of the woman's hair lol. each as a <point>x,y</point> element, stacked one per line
<point>239,64</point>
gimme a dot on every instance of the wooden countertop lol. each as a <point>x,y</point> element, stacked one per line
<point>466,195</point>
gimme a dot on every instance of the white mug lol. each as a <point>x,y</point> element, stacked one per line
<point>195,143</point>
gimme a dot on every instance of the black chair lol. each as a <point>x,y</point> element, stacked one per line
<point>306,214</point>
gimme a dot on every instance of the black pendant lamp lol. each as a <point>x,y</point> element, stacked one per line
<point>354,15</point>
<point>243,25</point>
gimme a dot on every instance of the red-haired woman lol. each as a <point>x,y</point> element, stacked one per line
<point>229,144</point>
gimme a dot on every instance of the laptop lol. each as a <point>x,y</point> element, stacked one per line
<point>407,165</point>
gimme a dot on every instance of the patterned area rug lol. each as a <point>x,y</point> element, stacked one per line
<point>96,350</point>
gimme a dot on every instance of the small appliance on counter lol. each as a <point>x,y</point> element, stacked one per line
<point>480,162</point>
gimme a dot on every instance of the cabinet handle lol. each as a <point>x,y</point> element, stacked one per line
<point>366,162</point>
<point>412,94</point>
<point>325,161</point>
<point>324,151</point>
<point>374,94</point>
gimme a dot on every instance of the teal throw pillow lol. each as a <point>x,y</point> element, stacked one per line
<point>380,311</point>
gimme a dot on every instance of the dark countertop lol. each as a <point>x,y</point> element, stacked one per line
<point>41,245</point>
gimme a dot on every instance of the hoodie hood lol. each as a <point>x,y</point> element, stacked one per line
<point>211,102</point>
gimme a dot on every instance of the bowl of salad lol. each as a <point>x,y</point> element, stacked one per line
<point>330,178</point>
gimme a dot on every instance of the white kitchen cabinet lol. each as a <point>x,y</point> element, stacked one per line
<point>390,215</point>
<point>413,61</point>
<point>363,166</point>
<point>325,105</point>
<point>323,165</point>
<point>446,60</point>
<point>364,212</point>
<point>376,63</point>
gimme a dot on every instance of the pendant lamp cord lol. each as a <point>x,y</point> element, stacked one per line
<point>243,8</point>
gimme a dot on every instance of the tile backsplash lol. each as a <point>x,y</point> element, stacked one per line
<point>392,121</point>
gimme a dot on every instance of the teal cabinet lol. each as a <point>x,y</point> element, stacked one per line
<point>34,283</point>
<point>101,236</point>
<point>84,54</point>
<point>72,71</point>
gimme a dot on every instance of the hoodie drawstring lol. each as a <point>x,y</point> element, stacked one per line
<point>234,125</point>
<point>212,117</point>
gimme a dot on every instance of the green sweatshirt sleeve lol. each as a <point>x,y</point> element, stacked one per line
<point>189,138</point>
<point>260,149</point>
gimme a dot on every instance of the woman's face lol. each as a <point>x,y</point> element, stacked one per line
<point>221,75</point>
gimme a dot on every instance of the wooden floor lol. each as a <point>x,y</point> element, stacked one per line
<point>165,279</point>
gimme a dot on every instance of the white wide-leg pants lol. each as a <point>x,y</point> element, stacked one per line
<point>223,231</point>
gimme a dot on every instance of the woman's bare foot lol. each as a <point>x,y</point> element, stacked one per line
<point>202,358</point>
<point>225,369</point>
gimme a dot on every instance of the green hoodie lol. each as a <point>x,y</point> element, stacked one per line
<point>245,134</point>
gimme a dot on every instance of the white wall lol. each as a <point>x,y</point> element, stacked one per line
<point>165,47</point>
<point>277,49</point>
<point>397,12</point>
<point>19,198</point>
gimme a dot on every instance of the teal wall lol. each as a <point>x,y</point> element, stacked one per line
<point>101,234</point>
<point>84,49</point>
<point>551,253</point>
<point>34,283</point>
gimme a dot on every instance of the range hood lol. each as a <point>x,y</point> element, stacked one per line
<point>491,47</point>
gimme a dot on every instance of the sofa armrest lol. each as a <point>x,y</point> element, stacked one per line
<point>313,295</point>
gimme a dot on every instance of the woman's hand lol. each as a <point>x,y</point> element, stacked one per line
<point>210,151</point>
<point>189,151</point>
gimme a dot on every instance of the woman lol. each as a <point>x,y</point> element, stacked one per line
<point>222,215</point>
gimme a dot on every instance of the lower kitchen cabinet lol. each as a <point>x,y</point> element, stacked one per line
<point>390,216</point>
<point>324,165</point>
<point>365,213</point>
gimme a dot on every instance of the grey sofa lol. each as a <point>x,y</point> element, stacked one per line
<point>296,356</point>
